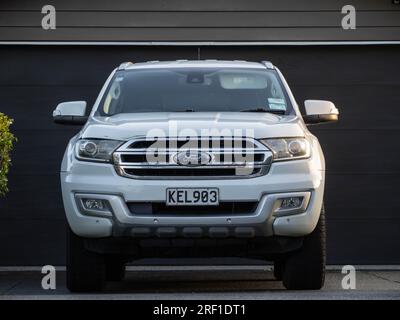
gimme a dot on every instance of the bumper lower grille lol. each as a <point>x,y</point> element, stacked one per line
<point>224,208</point>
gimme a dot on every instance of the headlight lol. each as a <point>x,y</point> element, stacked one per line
<point>96,150</point>
<point>288,148</point>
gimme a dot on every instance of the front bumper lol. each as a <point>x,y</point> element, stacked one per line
<point>292,178</point>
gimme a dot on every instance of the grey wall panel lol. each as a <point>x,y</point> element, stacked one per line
<point>234,19</point>
<point>368,153</point>
<point>201,34</point>
<point>369,101</point>
<point>190,20</point>
<point>372,243</point>
<point>36,242</point>
<point>195,5</point>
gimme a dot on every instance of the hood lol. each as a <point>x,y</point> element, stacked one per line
<point>127,126</point>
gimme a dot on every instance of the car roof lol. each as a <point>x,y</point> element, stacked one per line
<point>193,64</point>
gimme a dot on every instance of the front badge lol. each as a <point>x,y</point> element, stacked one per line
<point>192,158</point>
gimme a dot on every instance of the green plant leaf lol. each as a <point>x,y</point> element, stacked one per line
<point>7,141</point>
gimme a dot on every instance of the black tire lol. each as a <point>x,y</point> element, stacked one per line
<point>85,269</point>
<point>279,266</point>
<point>305,269</point>
<point>115,268</point>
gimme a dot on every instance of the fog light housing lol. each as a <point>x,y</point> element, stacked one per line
<point>291,203</point>
<point>94,205</point>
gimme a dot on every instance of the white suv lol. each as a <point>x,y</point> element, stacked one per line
<point>194,158</point>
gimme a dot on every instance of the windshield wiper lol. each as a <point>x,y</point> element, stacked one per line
<point>264,110</point>
<point>280,112</point>
<point>185,110</point>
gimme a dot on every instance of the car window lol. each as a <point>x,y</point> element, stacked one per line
<point>194,89</point>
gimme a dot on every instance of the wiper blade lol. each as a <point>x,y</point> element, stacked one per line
<point>185,110</point>
<point>264,110</point>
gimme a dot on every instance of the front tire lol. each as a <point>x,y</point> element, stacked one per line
<point>115,268</point>
<point>305,269</point>
<point>279,266</point>
<point>86,270</point>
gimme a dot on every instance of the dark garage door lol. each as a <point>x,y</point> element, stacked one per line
<point>362,150</point>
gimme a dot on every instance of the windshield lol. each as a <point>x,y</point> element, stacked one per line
<point>195,90</point>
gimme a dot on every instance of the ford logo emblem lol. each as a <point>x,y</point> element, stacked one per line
<point>192,158</point>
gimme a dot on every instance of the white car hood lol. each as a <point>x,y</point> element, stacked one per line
<point>128,126</point>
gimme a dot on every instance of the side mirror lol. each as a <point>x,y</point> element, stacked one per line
<point>320,111</point>
<point>72,112</point>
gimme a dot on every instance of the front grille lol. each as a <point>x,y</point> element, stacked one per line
<point>160,209</point>
<point>225,158</point>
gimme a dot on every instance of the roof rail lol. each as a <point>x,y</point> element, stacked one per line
<point>124,65</point>
<point>268,64</point>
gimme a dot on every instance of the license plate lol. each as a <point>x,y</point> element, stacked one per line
<point>192,197</point>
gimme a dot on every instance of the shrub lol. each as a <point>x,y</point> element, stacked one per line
<point>7,140</point>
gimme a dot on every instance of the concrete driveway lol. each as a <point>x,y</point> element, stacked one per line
<point>201,282</point>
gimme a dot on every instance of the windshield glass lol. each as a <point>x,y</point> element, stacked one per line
<point>195,90</point>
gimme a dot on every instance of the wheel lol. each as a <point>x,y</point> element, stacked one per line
<point>85,269</point>
<point>305,269</point>
<point>115,268</point>
<point>279,265</point>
